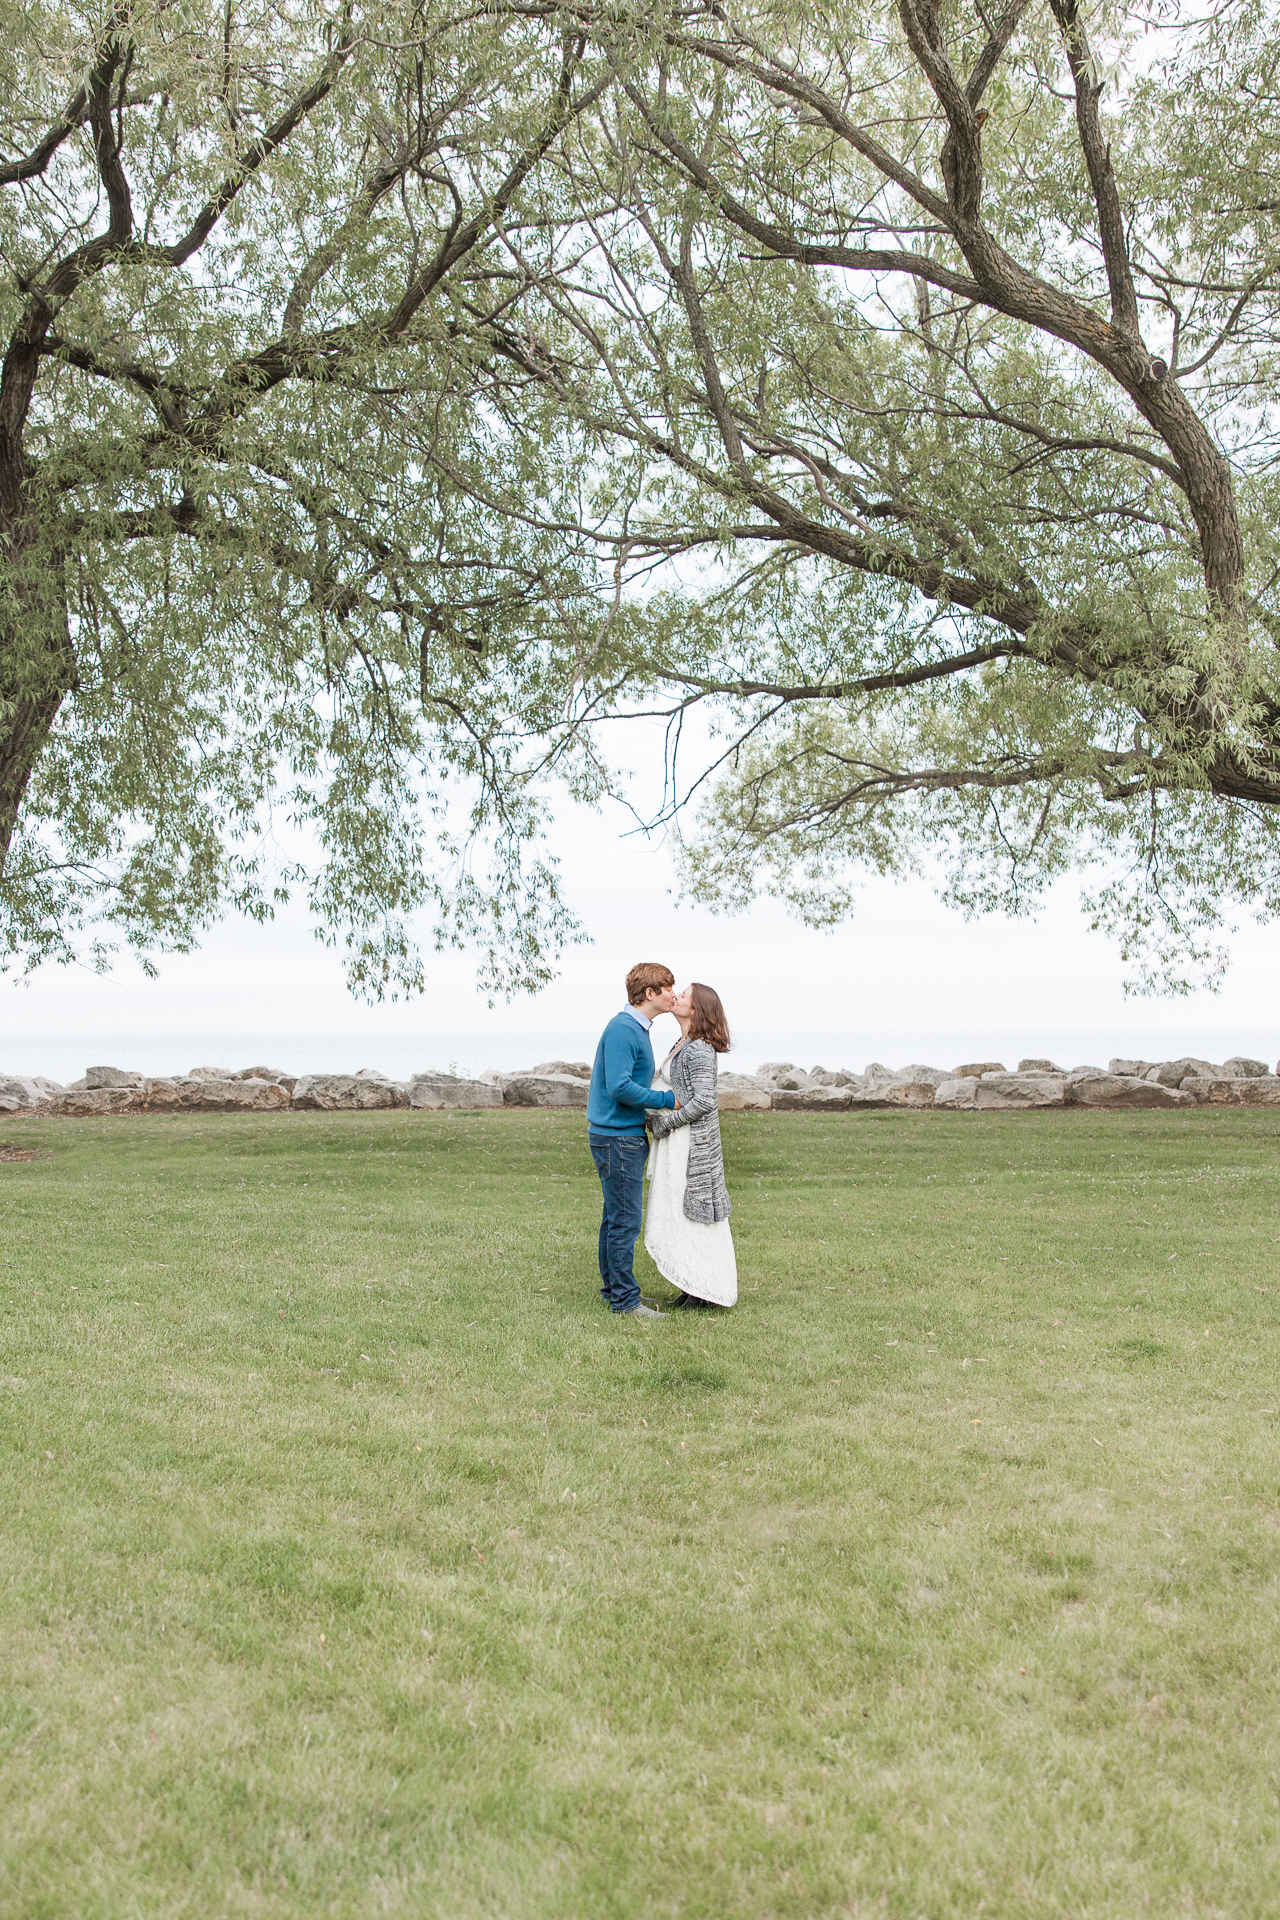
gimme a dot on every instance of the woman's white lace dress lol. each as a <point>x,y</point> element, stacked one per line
<point>698,1259</point>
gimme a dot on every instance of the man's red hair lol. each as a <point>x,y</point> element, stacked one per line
<point>649,973</point>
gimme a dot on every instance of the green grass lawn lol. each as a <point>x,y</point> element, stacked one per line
<point>356,1562</point>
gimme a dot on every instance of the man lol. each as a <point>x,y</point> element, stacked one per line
<point>621,1090</point>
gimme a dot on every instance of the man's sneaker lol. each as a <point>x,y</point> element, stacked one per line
<point>642,1313</point>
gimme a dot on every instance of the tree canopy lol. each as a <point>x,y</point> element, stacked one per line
<point>399,396</point>
<point>264,554</point>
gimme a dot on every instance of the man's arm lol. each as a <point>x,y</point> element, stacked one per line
<point>620,1081</point>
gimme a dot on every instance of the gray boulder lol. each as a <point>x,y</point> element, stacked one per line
<point>743,1099</point>
<point>1241,1069</point>
<point>1091,1087</point>
<point>362,1092</point>
<point>783,1076</point>
<point>22,1090</point>
<point>1172,1073</point>
<point>976,1068</point>
<point>910,1087</point>
<point>811,1100</point>
<point>882,1086</point>
<point>210,1094</point>
<point>84,1102</point>
<point>289,1080</point>
<point>580,1069</point>
<point>96,1077</point>
<point>1212,1090</point>
<point>957,1093</point>
<point>1012,1092</point>
<point>742,1093</point>
<point>911,1093</point>
<point>1039,1066</point>
<point>1133,1069</point>
<point>436,1090</point>
<point>239,1073</point>
<point>877,1075</point>
<point>1259,1090</point>
<point>545,1090</point>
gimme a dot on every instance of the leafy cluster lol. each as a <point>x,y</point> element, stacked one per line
<point>890,388</point>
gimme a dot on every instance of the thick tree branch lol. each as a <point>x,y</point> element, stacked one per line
<point>380,182</point>
<point>794,85</point>
<point>850,689</point>
<point>461,239</point>
<point>1024,296</point>
<point>180,251</point>
<point>1097,156</point>
<point>994,599</point>
<point>35,162</point>
<point>167,396</point>
<point>997,41</point>
<point>962,151</point>
<point>785,245</point>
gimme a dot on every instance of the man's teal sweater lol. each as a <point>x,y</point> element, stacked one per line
<point>621,1079</point>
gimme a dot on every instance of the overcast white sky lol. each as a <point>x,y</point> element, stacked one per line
<point>904,980</point>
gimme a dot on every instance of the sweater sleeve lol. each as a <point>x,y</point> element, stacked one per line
<point>699,1070</point>
<point>620,1065</point>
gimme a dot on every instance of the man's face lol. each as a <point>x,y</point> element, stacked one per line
<point>659,1000</point>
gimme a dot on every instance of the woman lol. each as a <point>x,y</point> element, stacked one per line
<point>686,1229</point>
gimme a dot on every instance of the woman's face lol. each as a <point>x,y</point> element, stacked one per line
<point>682,1005</point>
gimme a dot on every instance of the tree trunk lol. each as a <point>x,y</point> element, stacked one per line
<point>37,659</point>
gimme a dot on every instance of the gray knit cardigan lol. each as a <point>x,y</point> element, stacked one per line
<point>693,1076</point>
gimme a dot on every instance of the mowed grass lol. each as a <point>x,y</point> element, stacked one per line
<point>355,1562</point>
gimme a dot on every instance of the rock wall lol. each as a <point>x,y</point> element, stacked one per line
<point>979,1086</point>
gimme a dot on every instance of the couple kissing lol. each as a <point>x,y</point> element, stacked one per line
<point>666,1120</point>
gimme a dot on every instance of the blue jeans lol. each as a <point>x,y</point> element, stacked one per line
<point>620,1161</point>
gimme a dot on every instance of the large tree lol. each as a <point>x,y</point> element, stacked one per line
<point>265,584</point>
<point>395,393</point>
<point>939,345</point>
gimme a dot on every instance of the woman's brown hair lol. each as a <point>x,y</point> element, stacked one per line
<point>709,1022</point>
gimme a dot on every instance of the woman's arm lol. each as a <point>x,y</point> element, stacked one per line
<point>698,1065</point>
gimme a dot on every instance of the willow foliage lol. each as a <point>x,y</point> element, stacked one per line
<point>393,395</point>
<point>948,339</point>
<point>267,585</point>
